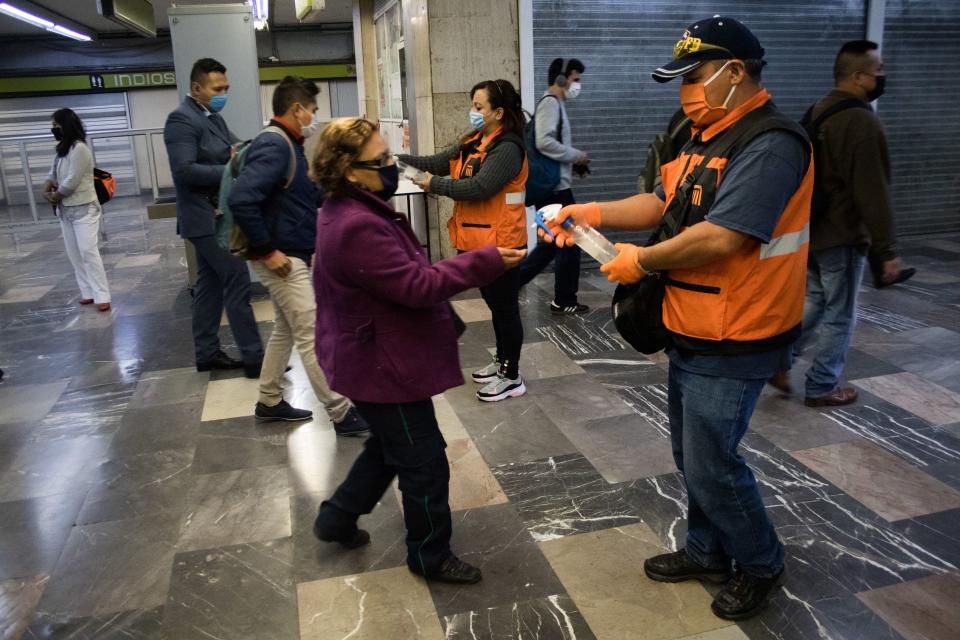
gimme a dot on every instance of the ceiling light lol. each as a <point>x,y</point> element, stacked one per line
<point>43,23</point>
<point>261,12</point>
<point>20,14</point>
<point>70,33</point>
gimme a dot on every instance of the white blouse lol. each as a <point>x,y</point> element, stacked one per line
<point>73,175</point>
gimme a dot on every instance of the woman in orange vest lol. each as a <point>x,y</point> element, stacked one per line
<point>485,174</point>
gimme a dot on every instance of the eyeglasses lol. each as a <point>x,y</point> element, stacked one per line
<point>384,160</point>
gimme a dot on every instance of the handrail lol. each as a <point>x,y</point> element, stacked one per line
<point>117,133</point>
<point>21,143</point>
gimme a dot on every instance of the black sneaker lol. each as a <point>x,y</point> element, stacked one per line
<point>220,360</point>
<point>455,571</point>
<point>571,310</point>
<point>352,424</point>
<point>281,411</point>
<point>744,596</point>
<point>359,538</point>
<point>678,567</point>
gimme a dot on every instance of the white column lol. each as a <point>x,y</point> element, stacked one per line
<point>527,82</point>
<point>876,16</point>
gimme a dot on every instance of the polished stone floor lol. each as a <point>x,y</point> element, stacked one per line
<point>139,498</point>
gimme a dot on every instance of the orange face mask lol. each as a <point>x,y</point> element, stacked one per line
<point>693,99</point>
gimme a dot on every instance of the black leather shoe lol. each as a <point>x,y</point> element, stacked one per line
<point>352,424</point>
<point>744,596</point>
<point>359,538</point>
<point>219,361</point>
<point>456,571</point>
<point>678,566</point>
<point>281,411</point>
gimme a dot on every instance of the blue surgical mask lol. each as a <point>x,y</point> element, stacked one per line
<point>217,103</point>
<point>476,120</point>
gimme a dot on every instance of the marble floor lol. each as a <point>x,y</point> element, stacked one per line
<point>140,499</point>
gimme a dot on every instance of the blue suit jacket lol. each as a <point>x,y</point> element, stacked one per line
<point>198,146</point>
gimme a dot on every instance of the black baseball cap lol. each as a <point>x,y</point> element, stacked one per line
<point>716,38</point>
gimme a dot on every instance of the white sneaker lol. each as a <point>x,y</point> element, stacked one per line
<point>501,389</point>
<point>488,373</point>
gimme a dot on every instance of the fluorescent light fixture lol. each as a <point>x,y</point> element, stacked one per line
<point>43,23</point>
<point>261,12</point>
<point>20,14</point>
<point>70,33</point>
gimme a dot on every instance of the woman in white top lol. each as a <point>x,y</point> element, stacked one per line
<point>69,188</point>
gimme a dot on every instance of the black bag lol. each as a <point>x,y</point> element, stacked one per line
<point>104,184</point>
<point>638,314</point>
<point>821,200</point>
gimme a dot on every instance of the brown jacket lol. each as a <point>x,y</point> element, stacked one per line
<point>855,166</point>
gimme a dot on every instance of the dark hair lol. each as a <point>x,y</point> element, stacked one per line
<point>850,57</point>
<point>754,68</point>
<point>556,68</point>
<point>72,130</point>
<point>341,143</point>
<point>290,91</point>
<point>501,94</point>
<point>202,67</point>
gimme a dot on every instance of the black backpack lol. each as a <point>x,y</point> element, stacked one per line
<point>664,148</point>
<point>543,173</point>
<point>821,200</point>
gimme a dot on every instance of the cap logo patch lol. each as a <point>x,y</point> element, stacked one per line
<point>686,45</point>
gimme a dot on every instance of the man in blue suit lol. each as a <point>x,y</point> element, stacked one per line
<point>199,144</point>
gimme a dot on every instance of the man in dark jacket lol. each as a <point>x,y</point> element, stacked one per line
<point>199,144</point>
<point>275,202</point>
<point>854,169</point>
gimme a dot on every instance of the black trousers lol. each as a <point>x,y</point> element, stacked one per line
<point>566,261</point>
<point>502,298</point>
<point>223,282</point>
<point>405,443</point>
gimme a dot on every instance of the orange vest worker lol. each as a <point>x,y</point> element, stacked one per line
<point>500,220</point>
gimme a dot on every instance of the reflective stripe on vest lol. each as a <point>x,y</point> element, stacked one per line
<point>746,297</point>
<point>786,244</point>
<point>516,197</point>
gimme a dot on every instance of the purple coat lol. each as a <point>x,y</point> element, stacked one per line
<point>385,331</point>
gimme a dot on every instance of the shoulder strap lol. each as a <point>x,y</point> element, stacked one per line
<point>559,120</point>
<point>292,171</point>
<point>746,129</point>
<point>680,125</point>
<point>843,105</point>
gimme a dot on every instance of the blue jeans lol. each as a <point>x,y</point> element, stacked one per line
<point>726,519</point>
<point>833,280</point>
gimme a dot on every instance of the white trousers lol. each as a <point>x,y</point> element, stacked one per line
<point>81,236</point>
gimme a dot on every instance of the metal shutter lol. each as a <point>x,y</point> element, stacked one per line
<point>921,51</point>
<point>622,41</point>
<point>31,116</point>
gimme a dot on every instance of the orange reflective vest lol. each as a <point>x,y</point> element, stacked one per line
<point>752,299</point>
<point>500,220</point>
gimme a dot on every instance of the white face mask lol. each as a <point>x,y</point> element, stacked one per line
<point>573,90</point>
<point>311,128</point>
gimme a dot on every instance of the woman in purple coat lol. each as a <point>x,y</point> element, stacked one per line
<point>386,339</point>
